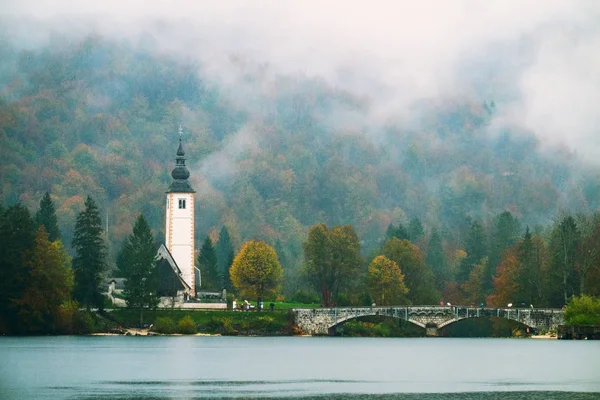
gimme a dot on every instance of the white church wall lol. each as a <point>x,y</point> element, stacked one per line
<point>180,232</point>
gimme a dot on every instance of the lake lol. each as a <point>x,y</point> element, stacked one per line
<point>82,367</point>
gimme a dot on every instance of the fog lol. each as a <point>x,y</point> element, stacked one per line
<point>538,60</point>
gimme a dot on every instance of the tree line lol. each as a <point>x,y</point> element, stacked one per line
<point>42,288</point>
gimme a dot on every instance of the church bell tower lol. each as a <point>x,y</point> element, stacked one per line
<point>180,218</point>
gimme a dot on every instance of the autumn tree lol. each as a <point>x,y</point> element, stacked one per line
<point>256,271</point>
<point>207,262</point>
<point>90,255</point>
<point>46,215</point>
<point>386,282</point>
<point>505,283</point>
<point>331,260</point>
<point>139,269</point>
<point>49,285</point>
<point>505,233</point>
<point>417,276</point>
<point>17,234</point>
<point>225,255</point>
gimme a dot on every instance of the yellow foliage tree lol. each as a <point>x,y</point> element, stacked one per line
<point>256,271</point>
<point>386,282</point>
<point>49,287</point>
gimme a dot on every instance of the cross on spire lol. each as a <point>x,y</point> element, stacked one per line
<point>180,132</point>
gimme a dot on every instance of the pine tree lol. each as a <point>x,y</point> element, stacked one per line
<point>415,230</point>
<point>225,256</point>
<point>207,262</point>
<point>476,250</point>
<point>141,284</point>
<point>17,232</point>
<point>505,234</point>
<point>90,255</point>
<point>46,216</point>
<point>435,258</point>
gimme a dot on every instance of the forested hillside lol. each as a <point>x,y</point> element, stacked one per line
<point>270,155</point>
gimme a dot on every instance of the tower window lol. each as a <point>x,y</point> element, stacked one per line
<point>181,203</point>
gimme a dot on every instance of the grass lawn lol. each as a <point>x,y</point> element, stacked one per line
<point>213,320</point>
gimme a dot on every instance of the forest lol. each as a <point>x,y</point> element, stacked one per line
<point>469,214</point>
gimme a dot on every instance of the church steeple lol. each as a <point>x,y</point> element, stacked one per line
<point>180,173</point>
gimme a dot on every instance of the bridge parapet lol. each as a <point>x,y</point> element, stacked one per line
<point>320,321</point>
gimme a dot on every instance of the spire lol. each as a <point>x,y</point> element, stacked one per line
<point>180,173</point>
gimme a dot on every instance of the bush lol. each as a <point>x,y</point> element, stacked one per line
<point>163,325</point>
<point>583,310</point>
<point>305,297</point>
<point>82,322</point>
<point>186,326</point>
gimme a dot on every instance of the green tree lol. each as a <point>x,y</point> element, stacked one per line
<point>139,269</point>
<point>415,230</point>
<point>49,285</point>
<point>17,233</point>
<point>476,250</point>
<point>564,242</point>
<point>473,287</point>
<point>256,271</point>
<point>399,232</point>
<point>225,256</point>
<point>90,255</point>
<point>435,258</point>
<point>588,253</point>
<point>207,262</point>
<point>583,310</point>
<point>386,282</point>
<point>533,258</point>
<point>417,276</point>
<point>332,260</point>
<point>46,216</point>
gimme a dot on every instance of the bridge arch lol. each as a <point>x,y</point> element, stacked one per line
<point>432,318</point>
<point>411,325</point>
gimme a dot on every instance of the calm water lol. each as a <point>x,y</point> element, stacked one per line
<point>240,367</point>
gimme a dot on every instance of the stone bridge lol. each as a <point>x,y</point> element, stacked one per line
<point>322,321</point>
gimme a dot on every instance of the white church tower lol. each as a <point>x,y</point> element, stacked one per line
<point>180,219</point>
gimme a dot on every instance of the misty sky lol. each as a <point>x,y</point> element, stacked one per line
<point>539,60</point>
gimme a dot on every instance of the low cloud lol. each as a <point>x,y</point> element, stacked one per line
<point>546,52</point>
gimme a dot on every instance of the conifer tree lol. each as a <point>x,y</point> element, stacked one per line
<point>207,262</point>
<point>17,232</point>
<point>90,255</point>
<point>415,230</point>
<point>138,267</point>
<point>435,258</point>
<point>225,256</point>
<point>46,216</point>
<point>476,250</point>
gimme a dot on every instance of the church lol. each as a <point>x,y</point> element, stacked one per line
<point>179,278</point>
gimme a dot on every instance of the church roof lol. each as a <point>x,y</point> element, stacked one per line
<point>180,173</point>
<point>164,254</point>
